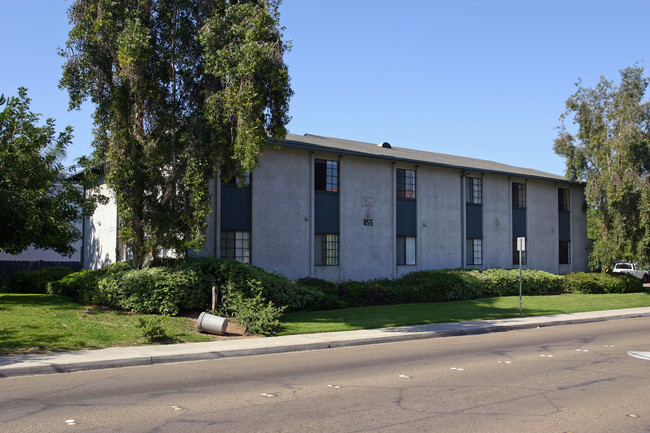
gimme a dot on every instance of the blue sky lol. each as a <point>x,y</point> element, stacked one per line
<point>483,79</point>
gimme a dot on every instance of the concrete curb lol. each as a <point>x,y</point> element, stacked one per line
<point>24,365</point>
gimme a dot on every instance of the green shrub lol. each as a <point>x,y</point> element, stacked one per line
<point>436,286</point>
<point>35,281</point>
<point>83,285</point>
<point>324,286</point>
<point>602,283</point>
<point>253,311</point>
<point>153,330</point>
<point>505,282</point>
<point>155,291</point>
<point>373,292</point>
<point>275,288</point>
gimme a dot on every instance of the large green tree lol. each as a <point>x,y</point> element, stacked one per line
<point>183,89</point>
<point>608,147</point>
<point>39,202</point>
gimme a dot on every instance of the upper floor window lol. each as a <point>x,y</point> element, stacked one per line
<point>405,183</point>
<point>563,200</point>
<point>518,195</point>
<point>474,190</point>
<point>326,175</point>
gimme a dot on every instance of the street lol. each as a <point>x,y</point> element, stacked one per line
<point>576,378</point>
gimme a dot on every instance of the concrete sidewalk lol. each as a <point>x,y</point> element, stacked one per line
<point>61,362</point>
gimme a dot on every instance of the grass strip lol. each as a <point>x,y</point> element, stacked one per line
<point>31,323</point>
<point>349,319</point>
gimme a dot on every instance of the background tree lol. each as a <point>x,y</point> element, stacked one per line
<point>39,203</point>
<point>182,89</point>
<point>610,151</point>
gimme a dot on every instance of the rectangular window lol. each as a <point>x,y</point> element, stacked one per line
<point>563,200</point>
<point>474,190</point>
<point>405,183</point>
<point>515,254</point>
<point>326,249</point>
<point>326,175</point>
<point>474,251</point>
<point>518,195</point>
<point>405,250</point>
<point>565,252</point>
<point>236,245</point>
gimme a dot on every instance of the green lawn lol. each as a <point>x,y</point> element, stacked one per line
<point>45,323</point>
<point>478,309</point>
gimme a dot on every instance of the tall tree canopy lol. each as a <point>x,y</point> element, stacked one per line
<point>39,203</point>
<point>182,89</point>
<point>609,149</point>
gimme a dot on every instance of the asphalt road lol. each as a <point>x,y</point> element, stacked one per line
<point>576,378</point>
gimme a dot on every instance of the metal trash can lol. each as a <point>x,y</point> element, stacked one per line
<point>212,324</point>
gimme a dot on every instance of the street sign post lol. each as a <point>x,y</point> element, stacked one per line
<point>521,247</point>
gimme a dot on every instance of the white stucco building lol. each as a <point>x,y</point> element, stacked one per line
<point>345,210</point>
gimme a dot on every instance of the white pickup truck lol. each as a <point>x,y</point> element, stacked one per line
<point>630,268</point>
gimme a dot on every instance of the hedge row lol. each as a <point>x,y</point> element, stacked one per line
<point>258,297</point>
<point>34,281</point>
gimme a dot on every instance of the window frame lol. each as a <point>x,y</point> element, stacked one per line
<point>519,195</point>
<point>474,190</point>
<point>475,245</point>
<point>235,245</point>
<point>563,200</point>
<point>405,183</point>
<point>326,175</point>
<point>406,251</point>
<point>326,249</point>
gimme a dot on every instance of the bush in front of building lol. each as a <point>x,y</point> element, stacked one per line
<point>436,286</point>
<point>252,310</point>
<point>505,282</point>
<point>35,281</point>
<point>592,283</point>
<point>367,293</point>
<point>230,275</point>
<point>82,286</point>
<point>154,291</point>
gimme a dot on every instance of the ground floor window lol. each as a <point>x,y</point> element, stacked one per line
<point>326,249</point>
<point>515,254</point>
<point>565,252</point>
<point>405,250</point>
<point>474,251</point>
<point>236,245</point>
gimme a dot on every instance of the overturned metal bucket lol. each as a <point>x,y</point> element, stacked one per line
<point>212,324</point>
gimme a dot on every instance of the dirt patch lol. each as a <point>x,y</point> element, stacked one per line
<point>233,330</point>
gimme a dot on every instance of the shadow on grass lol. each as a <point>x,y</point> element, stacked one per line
<point>408,315</point>
<point>37,300</point>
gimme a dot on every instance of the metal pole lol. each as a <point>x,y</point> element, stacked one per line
<point>520,281</point>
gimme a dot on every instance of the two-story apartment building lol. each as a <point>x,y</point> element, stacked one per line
<point>346,210</point>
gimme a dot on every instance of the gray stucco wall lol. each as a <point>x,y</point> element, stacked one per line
<point>497,222</point>
<point>366,192</point>
<point>440,227</point>
<point>542,214</point>
<point>100,232</point>
<point>281,204</point>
